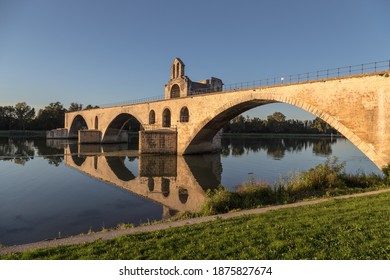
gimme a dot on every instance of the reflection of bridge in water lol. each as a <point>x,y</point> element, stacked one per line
<point>176,182</point>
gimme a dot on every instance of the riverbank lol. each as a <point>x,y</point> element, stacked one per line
<point>282,135</point>
<point>23,133</point>
<point>346,227</point>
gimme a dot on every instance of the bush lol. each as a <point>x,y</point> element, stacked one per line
<point>327,179</point>
<point>219,201</point>
<point>252,194</point>
<point>325,176</point>
<point>386,172</point>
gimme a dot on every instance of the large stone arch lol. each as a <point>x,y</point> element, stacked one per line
<point>78,123</point>
<point>117,129</point>
<point>206,130</point>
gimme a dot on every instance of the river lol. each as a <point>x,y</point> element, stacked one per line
<point>56,188</point>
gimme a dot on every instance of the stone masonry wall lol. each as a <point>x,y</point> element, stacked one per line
<point>158,142</point>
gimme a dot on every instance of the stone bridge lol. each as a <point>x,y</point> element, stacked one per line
<point>187,121</point>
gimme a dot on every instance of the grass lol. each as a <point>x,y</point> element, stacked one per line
<point>325,180</point>
<point>355,228</point>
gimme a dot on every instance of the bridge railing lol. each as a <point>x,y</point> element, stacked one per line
<point>370,67</point>
<point>314,75</point>
<point>307,76</point>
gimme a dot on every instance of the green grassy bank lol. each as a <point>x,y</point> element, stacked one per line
<point>355,228</point>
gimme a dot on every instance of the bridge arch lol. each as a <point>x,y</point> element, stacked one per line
<point>78,123</point>
<point>118,128</point>
<point>205,131</point>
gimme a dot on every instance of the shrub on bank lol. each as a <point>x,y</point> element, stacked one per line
<point>326,179</point>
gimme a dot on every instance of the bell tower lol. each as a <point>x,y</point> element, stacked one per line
<point>177,69</point>
<point>177,85</point>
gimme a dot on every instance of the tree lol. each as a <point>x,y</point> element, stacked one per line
<point>7,117</point>
<point>237,124</point>
<point>321,126</point>
<point>74,106</point>
<point>24,114</point>
<point>277,116</point>
<point>89,106</point>
<point>51,117</point>
<point>276,122</point>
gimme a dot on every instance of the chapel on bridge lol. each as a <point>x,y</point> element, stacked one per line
<point>179,85</point>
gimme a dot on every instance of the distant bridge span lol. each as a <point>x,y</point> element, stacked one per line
<point>358,106</point>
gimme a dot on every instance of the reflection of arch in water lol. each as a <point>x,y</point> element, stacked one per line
<point>183,195</point>
<point>77,159</point>
<point>115,147</point>
<point>150,184</point>
<point>170,182</point>
<point>165,186</point>
<point>119,168</point>
<point>206,169</point>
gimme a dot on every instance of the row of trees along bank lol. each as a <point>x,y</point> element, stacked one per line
<point>277,123</point>
<point>23,117</point>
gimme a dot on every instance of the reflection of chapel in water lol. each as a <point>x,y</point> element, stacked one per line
<point>176,182</point>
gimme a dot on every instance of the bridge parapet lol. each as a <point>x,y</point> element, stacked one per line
<point>312,76</point>
<point>158,127</point>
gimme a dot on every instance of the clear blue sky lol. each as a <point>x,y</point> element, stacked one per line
<point>98,52</point>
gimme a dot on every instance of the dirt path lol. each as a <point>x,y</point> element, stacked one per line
<point>81,239</point>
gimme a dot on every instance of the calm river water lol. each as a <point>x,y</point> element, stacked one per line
<point>57,188</point>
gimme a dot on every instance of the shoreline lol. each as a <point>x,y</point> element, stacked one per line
<point>271,135</point>
<point>89,238</point>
